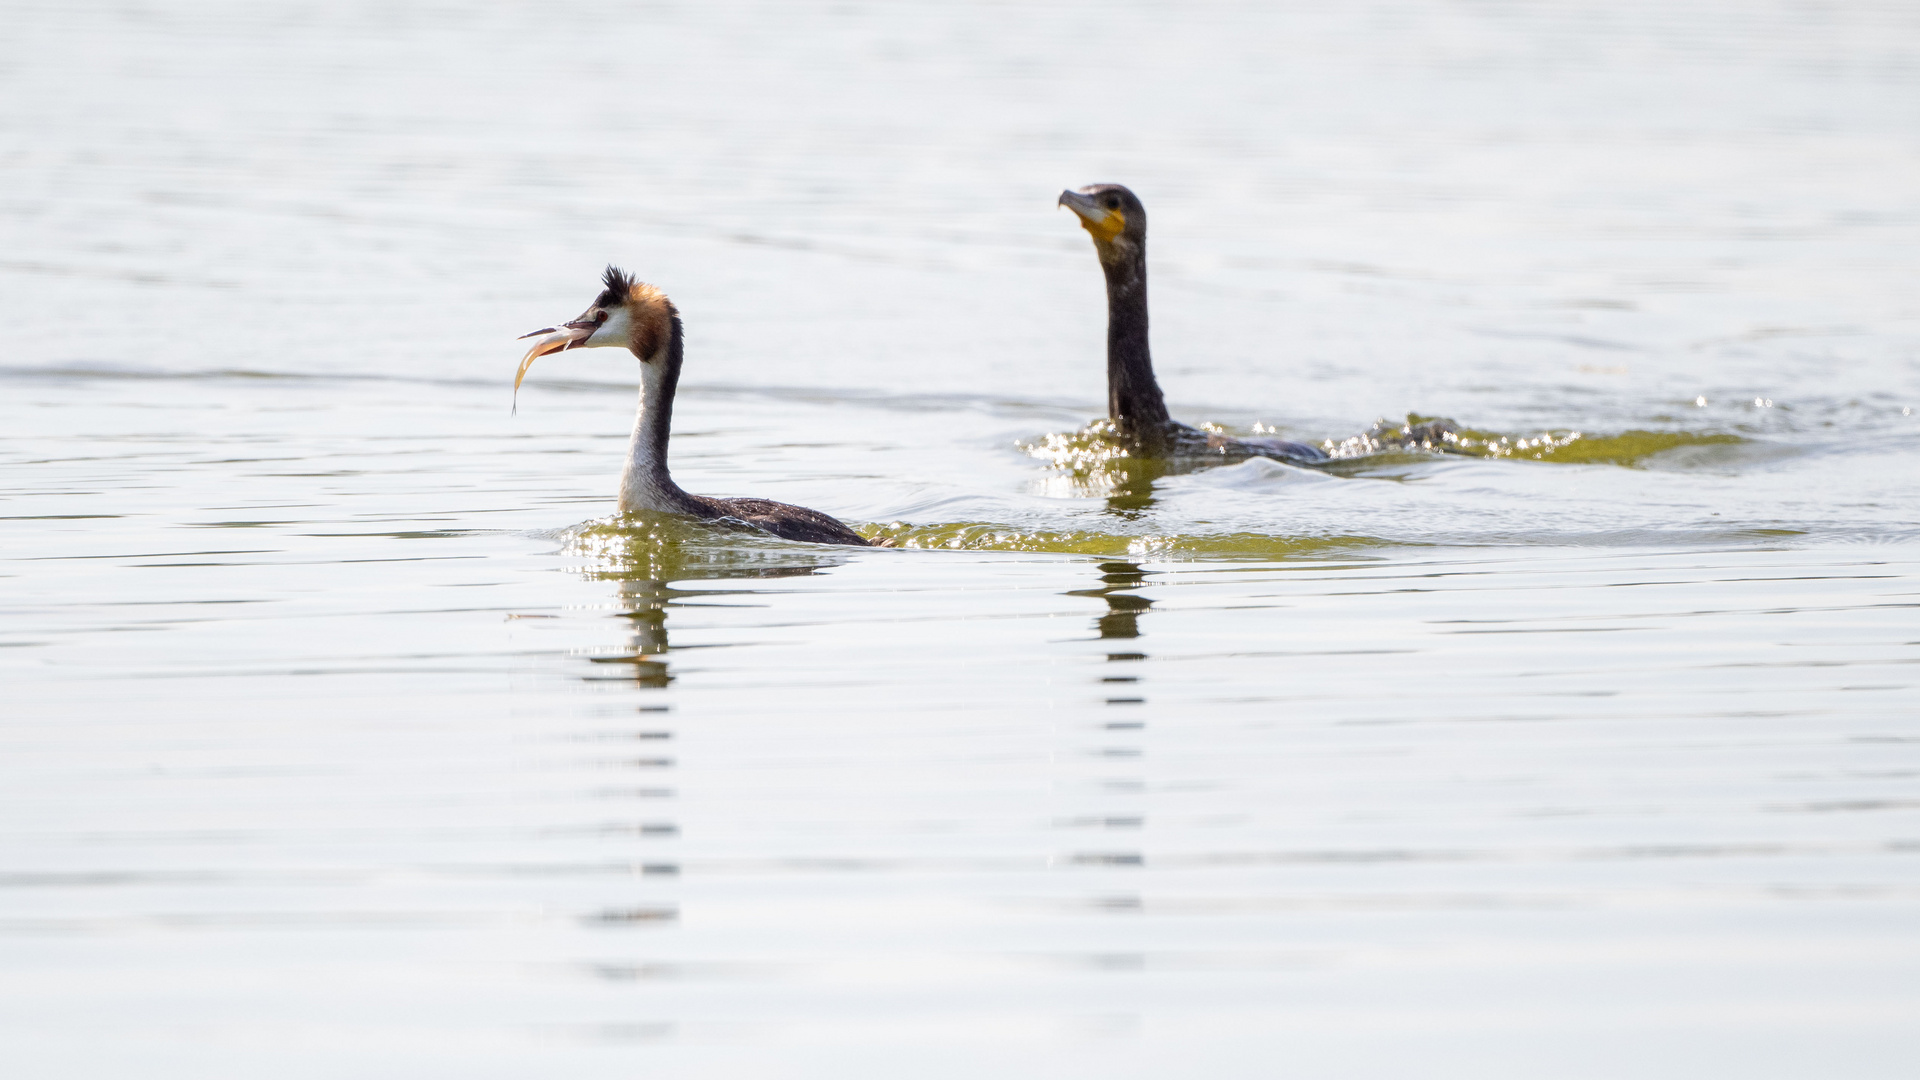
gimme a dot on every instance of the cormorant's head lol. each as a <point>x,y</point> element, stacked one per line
<point>627,313</point>
<point>1112,215</point>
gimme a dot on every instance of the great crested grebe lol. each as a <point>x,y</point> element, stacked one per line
<point>1113,216</point>
<point>638,317</point>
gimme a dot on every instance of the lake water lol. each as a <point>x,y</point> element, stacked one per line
<point>346,735</point>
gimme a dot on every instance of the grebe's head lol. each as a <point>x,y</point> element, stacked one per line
<point>628,314</point>
<point>1112,215</point>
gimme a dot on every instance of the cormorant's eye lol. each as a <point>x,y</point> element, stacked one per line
<point>1111,202</point>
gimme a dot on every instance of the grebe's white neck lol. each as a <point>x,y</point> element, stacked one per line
<point>645,483</point>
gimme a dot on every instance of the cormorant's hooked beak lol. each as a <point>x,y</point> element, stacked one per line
<point>551,339</point>
<point>1103,223</point>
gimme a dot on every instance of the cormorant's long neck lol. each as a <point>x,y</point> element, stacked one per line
<point>645,483</point>
<point>1133,397</point>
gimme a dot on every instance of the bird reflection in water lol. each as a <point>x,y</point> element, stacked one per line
<point>1118,580</point>
<point>657,561</point>
<point>1129,485</point>
<point>1124,607</point>
<point>644,604</point>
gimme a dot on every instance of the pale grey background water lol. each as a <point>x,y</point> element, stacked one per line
<point>330,750</point>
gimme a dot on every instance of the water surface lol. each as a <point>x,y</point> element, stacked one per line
<point>346,735</point>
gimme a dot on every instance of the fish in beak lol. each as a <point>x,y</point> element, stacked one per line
<point>551,339</point>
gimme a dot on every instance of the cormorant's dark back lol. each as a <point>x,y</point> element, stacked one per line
<point>638,317</point>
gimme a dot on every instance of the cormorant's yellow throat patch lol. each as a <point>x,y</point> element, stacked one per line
<point>1107,227</point>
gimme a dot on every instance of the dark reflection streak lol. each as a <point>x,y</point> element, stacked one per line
<point>644,604</point>
<point>1124,608</point>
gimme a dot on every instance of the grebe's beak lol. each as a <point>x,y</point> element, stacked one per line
<point>551,340</point>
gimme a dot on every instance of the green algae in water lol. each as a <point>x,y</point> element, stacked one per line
<point>1097,455</point>
<point>987,536</point>
<point>665,547</point>
<point>1629,449</point>
<point>1094,462</point>
<point>648,546</point>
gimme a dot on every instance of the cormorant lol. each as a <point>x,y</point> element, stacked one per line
<point>1113,216</point>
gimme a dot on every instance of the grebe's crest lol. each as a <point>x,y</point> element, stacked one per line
<point>618,284</point>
